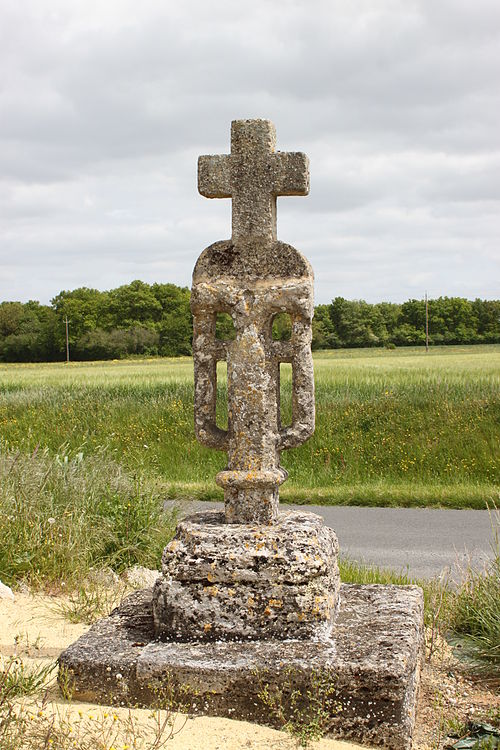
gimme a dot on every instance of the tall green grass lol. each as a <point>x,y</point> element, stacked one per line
<point>393,428</point>
<point>62,515</point>
<point>474,619</point>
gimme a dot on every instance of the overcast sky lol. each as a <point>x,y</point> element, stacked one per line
<point>105,106</point>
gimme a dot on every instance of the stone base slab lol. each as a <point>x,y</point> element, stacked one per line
<point>372,658</point>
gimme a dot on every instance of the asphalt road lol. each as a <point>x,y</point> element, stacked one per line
<point>419,541</point>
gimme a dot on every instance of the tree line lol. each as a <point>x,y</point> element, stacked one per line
<point>155,320</point>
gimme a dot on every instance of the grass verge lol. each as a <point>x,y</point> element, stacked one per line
<point>474,619</point>
<point>62,515</point>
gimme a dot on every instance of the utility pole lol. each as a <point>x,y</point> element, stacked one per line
<point>67,340</point>
<point>426,324</point>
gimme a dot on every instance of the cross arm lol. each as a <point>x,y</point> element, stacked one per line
<point>291,173</point>
<point>214,178</point>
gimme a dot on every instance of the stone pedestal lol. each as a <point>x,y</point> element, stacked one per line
<point>247,581</point>
<point>241,605</point>
<point>372,658</point>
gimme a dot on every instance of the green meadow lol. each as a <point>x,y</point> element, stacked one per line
<point>395,427</point>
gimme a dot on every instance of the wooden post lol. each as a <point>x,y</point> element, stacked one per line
<point>426,324</point>
<point>67,340</point>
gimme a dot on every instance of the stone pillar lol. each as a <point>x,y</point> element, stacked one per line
<point>253,277</point>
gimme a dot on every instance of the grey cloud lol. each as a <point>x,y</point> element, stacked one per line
<point>104,110</point>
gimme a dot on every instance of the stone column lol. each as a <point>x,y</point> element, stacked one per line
<point>253,277</point>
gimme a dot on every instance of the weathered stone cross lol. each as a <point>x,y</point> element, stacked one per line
<point>253,175</point>
<point>252,277</point>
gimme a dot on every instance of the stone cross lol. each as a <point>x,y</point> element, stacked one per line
<point>253,175</point>
<point>253,277</point>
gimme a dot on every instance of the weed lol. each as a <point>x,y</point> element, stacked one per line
<point>66,682</point>
<point>88,603</point>
<point>18,679</point>
<point>39,725</point>
<point>171,709</point>
<point>61,516</point>
<point>303,714</point>
<point>353,572</point>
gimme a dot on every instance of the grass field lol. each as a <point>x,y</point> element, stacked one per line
<point>88,453</point>
<point>393,427</point>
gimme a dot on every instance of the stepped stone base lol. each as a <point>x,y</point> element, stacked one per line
<point>238,582</point>
<point>372,657</point>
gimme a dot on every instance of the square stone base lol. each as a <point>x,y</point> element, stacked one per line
<point>372,658</point>
<point>243,582</point>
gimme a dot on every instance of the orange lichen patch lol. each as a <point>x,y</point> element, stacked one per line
<point>207,627</point>
<point>268,611</point>
<point>275,602</point>
<point>211,590</point>
<point>231,592</point>
<point>210,577</point>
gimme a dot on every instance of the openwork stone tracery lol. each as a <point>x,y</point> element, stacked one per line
<point>251,573</point>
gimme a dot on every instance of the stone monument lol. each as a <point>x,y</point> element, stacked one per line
<point>253,591</point>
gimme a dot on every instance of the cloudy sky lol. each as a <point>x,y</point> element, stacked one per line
<point>105,106</point>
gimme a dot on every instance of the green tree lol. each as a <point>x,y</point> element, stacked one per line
<point>175,326</point>
<point>323,330</point>
<point>133,303</point>
<point>85,309</point>
<point>487,315</point>
<point>26,332</point>
<point>357,323</point>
